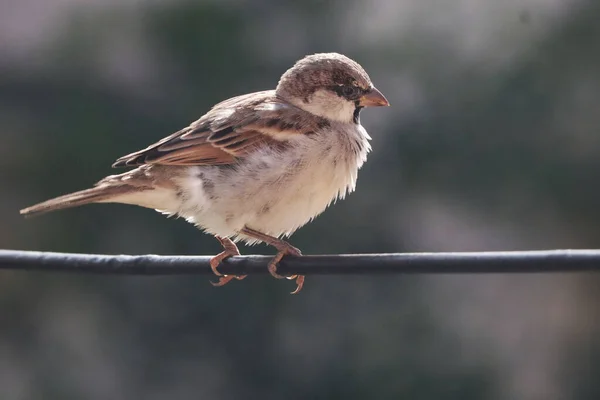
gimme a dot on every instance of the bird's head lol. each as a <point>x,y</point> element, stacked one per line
<point>330,85</point>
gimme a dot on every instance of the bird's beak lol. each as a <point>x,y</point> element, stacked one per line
<point>374,98</point>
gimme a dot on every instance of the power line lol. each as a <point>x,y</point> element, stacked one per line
<point>395,263</point>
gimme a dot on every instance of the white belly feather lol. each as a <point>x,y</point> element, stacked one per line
<point>275,192</point>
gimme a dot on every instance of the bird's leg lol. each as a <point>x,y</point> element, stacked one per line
<point>229,250</point>
<point>283,248</point>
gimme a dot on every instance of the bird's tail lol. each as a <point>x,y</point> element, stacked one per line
<point>98,194</point>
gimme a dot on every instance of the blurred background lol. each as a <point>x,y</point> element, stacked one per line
<point>491,143</point>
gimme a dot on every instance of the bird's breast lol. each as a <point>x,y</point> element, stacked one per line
<point>277,191</point>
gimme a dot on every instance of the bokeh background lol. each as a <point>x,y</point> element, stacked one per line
<point>492,143</point>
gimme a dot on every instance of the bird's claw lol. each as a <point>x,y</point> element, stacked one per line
<point>224,279</point>
<point>286,249</point>
<point>229,250</point>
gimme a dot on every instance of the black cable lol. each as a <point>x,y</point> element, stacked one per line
<point>402,263</point>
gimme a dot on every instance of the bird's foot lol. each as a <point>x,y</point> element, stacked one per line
<point>286,249</point>
<point>283,248</point>
<point>229,250</point>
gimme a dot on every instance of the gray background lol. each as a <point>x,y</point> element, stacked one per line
<point>491,143</point>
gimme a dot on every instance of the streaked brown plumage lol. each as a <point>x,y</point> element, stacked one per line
<point>257,166</point>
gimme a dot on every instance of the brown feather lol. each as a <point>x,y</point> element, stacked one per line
<point>114,188</point>
<point>229,131</point>
<point>96,194</point>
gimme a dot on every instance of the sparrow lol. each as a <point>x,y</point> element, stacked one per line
<point>256,167</point>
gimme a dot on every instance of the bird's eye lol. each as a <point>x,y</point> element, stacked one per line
<point>350,90</point>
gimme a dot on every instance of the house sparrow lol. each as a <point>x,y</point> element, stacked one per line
<point>256,167</point>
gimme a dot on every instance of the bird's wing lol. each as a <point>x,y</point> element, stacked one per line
<point>230,130</point>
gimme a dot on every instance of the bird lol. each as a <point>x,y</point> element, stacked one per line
<point>255,167</point>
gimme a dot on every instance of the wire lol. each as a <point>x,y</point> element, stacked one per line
<point>396,263</point>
